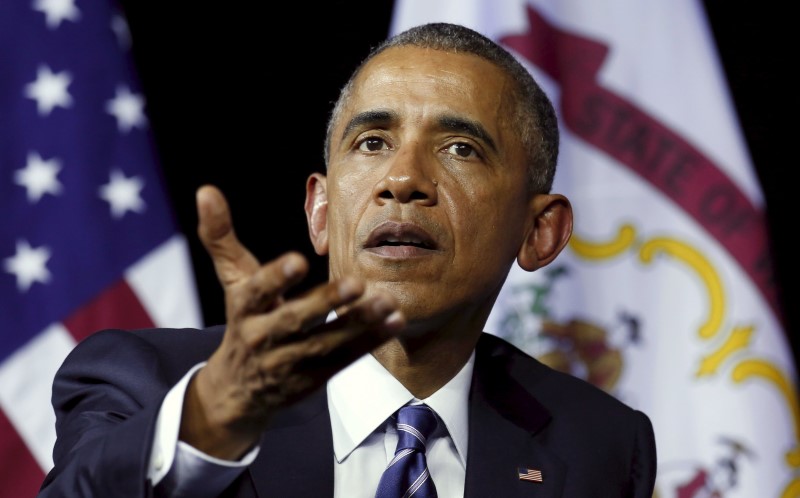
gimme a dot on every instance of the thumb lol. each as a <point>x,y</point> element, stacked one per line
<point>232,261</point>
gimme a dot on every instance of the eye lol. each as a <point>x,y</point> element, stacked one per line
<point>462,150</point>
<point>372,144</point>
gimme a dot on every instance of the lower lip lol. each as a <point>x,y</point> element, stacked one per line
<point>400,252</point>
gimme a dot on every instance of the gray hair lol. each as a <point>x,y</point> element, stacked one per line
<point>533,114</point>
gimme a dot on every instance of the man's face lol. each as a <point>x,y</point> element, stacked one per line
<point>426,183</point>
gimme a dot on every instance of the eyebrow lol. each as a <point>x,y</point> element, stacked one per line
<point>469,127</point>
<point>449,122</point>
<point>371,118</point>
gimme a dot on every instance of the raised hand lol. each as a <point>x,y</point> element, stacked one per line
<point>275,350</point>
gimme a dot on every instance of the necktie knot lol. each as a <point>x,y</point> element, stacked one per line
<point>415,424</point>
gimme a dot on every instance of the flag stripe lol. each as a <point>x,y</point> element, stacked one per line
<point>165,301</point>
<point>116,307</point>
<point>20,475</point>
<point>642,143</point>
<point>27,404</point>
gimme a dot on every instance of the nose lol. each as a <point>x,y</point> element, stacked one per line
<point>407,180</point>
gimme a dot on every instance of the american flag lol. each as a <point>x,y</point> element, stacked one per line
<point>526,474</point>
<point>88,238</point>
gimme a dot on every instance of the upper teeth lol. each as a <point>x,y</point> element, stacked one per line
<point>404,240</point>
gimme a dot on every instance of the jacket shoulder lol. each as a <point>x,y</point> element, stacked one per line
<point>169,351</point>
<point>557,390</point>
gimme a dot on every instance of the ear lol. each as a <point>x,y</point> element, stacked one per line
<point>549,230</point>
<point>316,207</point>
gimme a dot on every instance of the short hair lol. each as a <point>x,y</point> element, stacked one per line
<point>533,113</point>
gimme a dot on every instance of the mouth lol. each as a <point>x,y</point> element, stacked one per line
<point>395,239</point>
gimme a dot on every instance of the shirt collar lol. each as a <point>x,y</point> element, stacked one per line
<point>364,395</point>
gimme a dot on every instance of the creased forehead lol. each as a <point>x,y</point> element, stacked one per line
<point>434,81</point>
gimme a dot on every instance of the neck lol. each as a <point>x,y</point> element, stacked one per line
<point>424,360</point>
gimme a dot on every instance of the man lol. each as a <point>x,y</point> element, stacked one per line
<point>440,156</point>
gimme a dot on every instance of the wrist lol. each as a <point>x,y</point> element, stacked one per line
<point>212,425</point>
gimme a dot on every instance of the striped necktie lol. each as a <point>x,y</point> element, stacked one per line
<point>407,474</point>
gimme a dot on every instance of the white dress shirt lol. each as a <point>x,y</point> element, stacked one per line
<point>361,400</point>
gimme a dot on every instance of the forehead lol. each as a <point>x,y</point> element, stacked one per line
<point>420,83</point>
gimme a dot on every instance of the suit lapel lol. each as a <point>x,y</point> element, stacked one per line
<point>504,426</point>
<point>296,458</point>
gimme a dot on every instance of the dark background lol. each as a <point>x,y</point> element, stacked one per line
<point>240,99</point>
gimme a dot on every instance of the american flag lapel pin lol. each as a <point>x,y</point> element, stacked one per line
<point>526,474</point>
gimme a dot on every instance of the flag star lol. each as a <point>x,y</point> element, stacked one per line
<point>56,11</point>
<point>49,90</point>
<point>28,265</point>
<point>39,177</point>
<point>128,108</point>
<point>120,28</point>
<point>123,194</point>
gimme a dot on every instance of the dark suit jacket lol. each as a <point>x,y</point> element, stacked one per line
<point>107,394</point>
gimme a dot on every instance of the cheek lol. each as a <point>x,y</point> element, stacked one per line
<point>350,195</point>
<point>349,185</point>
<point>473,207</point>
<point>490,222</point>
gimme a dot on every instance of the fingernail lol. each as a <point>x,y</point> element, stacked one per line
<point>347,289</point>
<point>395,321</point>
<point>381,306</point>
<point>290,267</point>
